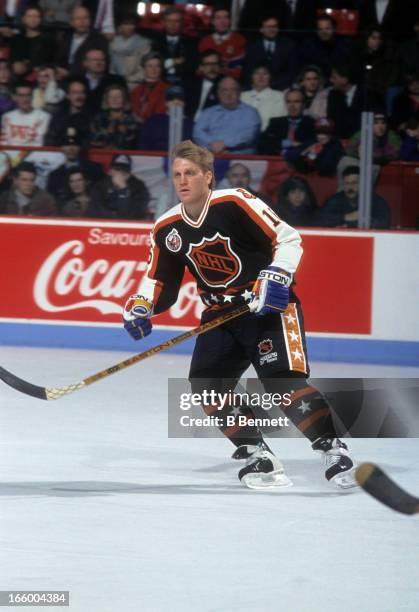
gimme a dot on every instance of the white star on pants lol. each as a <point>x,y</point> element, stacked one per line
<point>305,407</point>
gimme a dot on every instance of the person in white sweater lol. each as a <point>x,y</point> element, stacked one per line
<point>127,50</point>
<point>24,126</point>
<point>267,101</point>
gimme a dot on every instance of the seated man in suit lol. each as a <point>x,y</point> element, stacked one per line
<point>178,50</point>
<point>98,78</point>
<point>276,51</point>
<point>326,48</point>
<point>73,44</point>
<point>284,134</point>
<point>345,102</point>
<point>201,89</point>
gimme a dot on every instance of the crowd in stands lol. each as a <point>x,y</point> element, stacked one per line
<point>271,79</point>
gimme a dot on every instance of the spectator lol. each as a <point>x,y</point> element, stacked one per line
<point>406,104</point>
<point>341,210</point>
<point>98,79</point>
<point>57,12</point>
<point>311,82</point>
<point>24,126</point>
<point>345,102</point>
<point>276,51</point>
<point>409,53</point>
<point>410,145</point>
<point>392,17</point>
<point>25,198</point>
<point>230,126</point>
<point>229,45</point>
<point>297,204</point>
<point>291,14</point>
<point>5,172</point>
<point>73,44</point>
<point>154,135</point>
<point>179,51</point>
<point>71,113</point>
<point>72,143</point>
<point>267,101</point>
<point>7,102</point>
<point>120,195</point>
<point>47,95</point>
<point>295,130</point>
<point>103,14</point>
<point>30,48</point>
<point>149,97</point>
<point>321,156</point>
<point>127,50</point>
<point>201,89</point>
<point>326,48</point>
<point>78,199</point>
<point>238,177</point>
<point>386,144</point>
<point>376,51</point>
<point>115,127</point>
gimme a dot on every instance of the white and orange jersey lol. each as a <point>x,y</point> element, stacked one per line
<point>235,236</point>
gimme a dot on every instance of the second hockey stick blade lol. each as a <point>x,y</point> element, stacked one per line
<point>376,482</point>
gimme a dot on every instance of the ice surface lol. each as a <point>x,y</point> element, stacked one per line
<point>96,499</point>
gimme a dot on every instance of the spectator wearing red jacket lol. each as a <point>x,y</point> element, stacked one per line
<point>230,45</point>
<point>149,97</point>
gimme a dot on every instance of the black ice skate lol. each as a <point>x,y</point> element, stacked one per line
<point>340,468</point>
<point>262,470</point>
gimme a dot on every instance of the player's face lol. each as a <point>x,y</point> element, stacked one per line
<point>190,182</point>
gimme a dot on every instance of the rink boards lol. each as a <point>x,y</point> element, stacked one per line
<point>64,281</point>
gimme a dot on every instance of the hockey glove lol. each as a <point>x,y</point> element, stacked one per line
<point>137,313</point>
<point>271,291</point>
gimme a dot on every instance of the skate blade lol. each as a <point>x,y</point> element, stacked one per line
<point>273,480</point>
<point>346,480</point>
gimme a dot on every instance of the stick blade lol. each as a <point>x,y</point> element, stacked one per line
<point>22,385</point>
<point>376,482</point>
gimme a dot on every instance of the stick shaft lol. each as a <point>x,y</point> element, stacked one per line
<point>50,393</point>
<point>166,345</point>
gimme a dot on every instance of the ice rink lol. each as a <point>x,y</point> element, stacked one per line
<point>97,500</point>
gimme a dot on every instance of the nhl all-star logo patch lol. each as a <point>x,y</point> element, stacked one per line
<point>265,346</point>
<point>265,349</point>
<point>215,261</point>
<point>173,241</point>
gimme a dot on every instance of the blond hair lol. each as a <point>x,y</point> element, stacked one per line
<point>198,155</point>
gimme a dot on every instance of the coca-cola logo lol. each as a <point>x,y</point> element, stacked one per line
<point>70,280</point>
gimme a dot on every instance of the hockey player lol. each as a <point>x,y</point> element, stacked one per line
<point>239,252</point>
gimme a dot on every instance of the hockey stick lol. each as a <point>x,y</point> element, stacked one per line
<point>376,482</point>
<point>47,393</point>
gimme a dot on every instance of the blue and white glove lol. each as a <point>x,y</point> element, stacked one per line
<point>137,313</point>
<point>271,291</point>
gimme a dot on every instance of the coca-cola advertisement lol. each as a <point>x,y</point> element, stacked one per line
<point>83,271</point>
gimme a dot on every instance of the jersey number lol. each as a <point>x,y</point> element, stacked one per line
<point>273,218</point>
